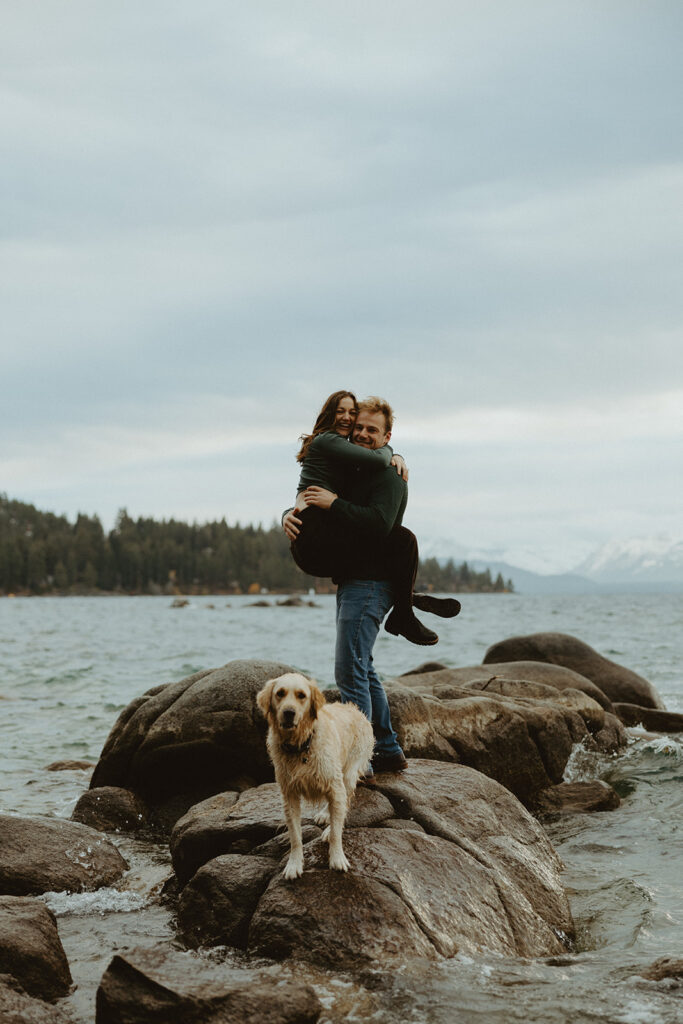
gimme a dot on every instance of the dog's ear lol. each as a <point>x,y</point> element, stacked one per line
<point>317,700</point>
<point>264,697</point>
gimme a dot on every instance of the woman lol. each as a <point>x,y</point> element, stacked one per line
<point>327,548</point>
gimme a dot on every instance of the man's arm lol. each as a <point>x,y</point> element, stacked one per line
<point>386,500</point>
<point>290,524</point>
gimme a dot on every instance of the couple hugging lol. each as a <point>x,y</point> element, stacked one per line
<point>351,498</point>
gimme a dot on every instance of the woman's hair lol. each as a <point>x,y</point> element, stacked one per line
<point>325,421</point>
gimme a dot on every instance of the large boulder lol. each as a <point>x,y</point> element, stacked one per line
<point>151,986</point>
<point>17,1007</point>
<point>182,742</point>
<point>480,874</point>
<point>51,855</point>
<point>30,949</point>
<point>482,677</point>
<point>619,683</point>
<point>516,731</point>
<point>254,823</point>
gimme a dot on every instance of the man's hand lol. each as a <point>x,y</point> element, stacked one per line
<point>399,463</point>
<point>290,524</point>
<point>319,497</point>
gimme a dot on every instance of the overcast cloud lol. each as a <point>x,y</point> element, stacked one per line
<point>214,214</point>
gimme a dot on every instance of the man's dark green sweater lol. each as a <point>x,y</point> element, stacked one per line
<point>376,505</point>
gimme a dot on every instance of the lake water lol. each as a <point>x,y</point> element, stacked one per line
<point>69,665</point>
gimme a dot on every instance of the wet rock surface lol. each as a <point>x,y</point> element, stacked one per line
<point>182,742</point>
<point>577,798</point>
<point>216,906</point>
<point>479,875</point>
<point>516,731</point>
<point>650,718</point>
<point>40,855</point>
<point>152,986</point>
<point>665,967</point>
<point>111,809</point>
<point>253,822</point>
<point>619,683</point>
<point>30,948</point>
<point>17,1007</point>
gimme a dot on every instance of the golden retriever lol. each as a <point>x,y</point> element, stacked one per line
<point>319,751</point>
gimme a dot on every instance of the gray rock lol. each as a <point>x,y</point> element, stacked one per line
<point>182,742</point>
<point>50,855</point>
<point>30,949</point>
<point>153,987</point>
<point>619,683</point>
<point>219,901</point>
<point>16,1007</point>
<point>111,809</point>
<point>482,876</point>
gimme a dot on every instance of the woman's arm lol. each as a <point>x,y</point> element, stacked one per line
<point>334,446</point>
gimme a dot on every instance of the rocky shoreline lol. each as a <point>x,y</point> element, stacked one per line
<point>449,858</point>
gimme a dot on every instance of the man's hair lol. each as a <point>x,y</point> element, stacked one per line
<point>375,404</point>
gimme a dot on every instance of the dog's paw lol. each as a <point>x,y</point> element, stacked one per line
<point>326,835</point>
<point>322,817</point>
<point>293,869</point>
<point>338,861</point>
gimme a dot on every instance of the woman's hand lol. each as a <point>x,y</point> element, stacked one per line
<point>290,524</point>
<point>319,497</point>
<point>399,464</point>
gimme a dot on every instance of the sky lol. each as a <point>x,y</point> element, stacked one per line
<point>215,213</point>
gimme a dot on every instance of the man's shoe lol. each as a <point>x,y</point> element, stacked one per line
<point>389,763</point>
<point>446,607</point>
<point>368,779</point>
<point>411,628</point>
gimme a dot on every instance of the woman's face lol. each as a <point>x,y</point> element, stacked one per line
<point>345,416</point>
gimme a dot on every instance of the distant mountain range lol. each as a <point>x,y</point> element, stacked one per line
<point>637,565</point>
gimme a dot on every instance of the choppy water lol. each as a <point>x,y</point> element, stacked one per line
<point>69,665</point>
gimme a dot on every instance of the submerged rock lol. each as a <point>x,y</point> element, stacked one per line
<point>482,875</point>
<point>50,855</point>
<point>619,683</point>
<point>182,742</point>
<point>650,718</point>
<point>577,798</point>
<point>666,967</point>
<point>30,948</point>
<point>151,986</point>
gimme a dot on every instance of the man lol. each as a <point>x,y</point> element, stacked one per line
<point>377,504</point>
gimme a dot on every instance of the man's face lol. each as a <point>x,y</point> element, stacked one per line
<point>370,430</point>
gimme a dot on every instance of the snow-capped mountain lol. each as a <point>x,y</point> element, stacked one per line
<point>638,560</point>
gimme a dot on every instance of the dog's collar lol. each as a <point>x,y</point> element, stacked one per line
<point>291,748</point>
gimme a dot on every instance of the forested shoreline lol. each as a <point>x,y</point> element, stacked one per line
<point>44,553</point>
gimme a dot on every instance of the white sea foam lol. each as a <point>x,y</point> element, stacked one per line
<point>103,901</point>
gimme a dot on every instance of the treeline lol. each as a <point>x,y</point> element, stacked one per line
<point>42,553</point>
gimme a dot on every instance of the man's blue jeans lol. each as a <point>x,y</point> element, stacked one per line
<point>361,606</point>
